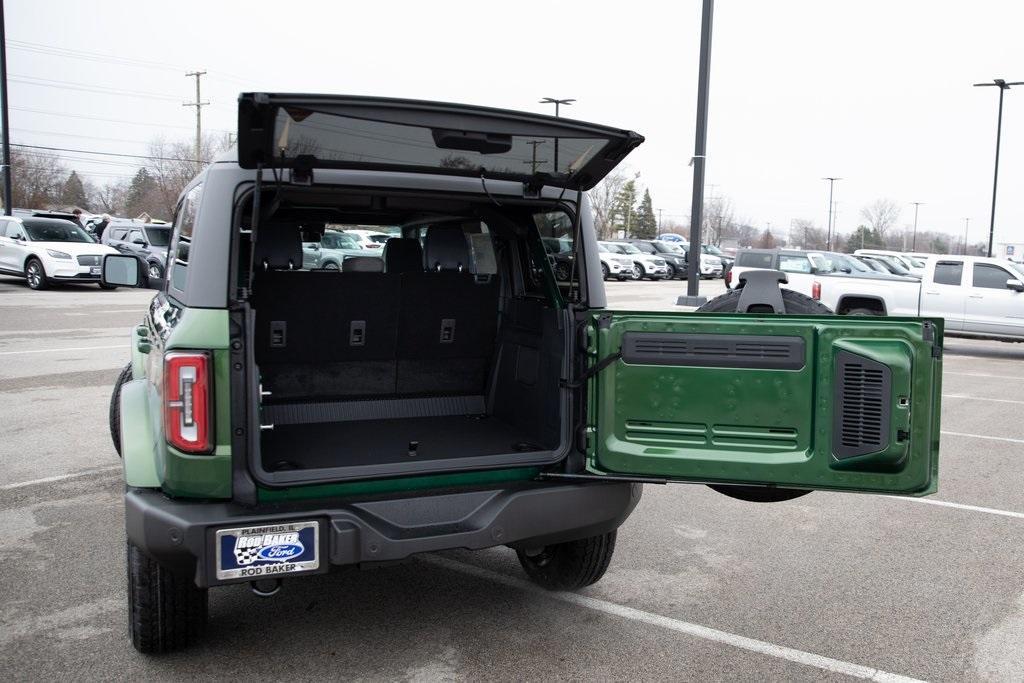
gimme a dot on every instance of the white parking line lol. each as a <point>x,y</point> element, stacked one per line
<point>59,477</point>
<point>677,625</point>
<point>979,374</point>
<point>77,348</point>
<point>981,398</point>
<point>982,436</point>
<point>960,506</point>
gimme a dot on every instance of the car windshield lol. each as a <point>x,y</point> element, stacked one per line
<point>629,249</point>
<point>379,239</point>
<point>55,230</point>
<point>338,240</point>
<point>914,261</point>
<point>894,265</point>
<point>669,248</point>
<point>158,237</point>
<point>851,263</point>
<point>1019,267</point>
<point>711,249</point>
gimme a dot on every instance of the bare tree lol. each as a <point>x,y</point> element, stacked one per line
<point>808,235</point>
<point>173,165</point>
<point>110,198</point>
<point>36,179</point>
<point>880,215</point>
<point>718,219</point>
<point>604,198</point>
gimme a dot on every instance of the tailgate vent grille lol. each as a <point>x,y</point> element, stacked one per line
<point>759,352</point>
<point>863,399</point>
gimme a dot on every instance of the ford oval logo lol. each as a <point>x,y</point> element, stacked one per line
<point>282,552</point>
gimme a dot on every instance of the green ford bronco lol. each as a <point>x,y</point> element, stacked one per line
<point>279,418</point>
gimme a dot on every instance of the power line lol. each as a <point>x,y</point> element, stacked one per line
<point>101,90</point>
<point>106,154</point>
<point>100,118</point>
<point>73,135</point>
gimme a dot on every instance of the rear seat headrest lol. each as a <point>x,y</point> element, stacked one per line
<point>363,264</point>
<point>446,249</point>
<point>278,247</point>
<point>403,255</point>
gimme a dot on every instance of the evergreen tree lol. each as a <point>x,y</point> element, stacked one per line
<point>72,192</point>
<point>142,194</point>
<point>624,215</point>
<point>646,227</point>
<point>767,240</point>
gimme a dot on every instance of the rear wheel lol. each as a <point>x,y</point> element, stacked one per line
<point>569,566</point>
<point>638,272</point>
<point>605,273</point>
<point>36,275</point>
<point>166,611</point>
<point>670,272</point>
<point>115,407</point>
<point>155,271</point>
<point>862,311</point>
<point>331,265</point>
<point>794,303</point>
<point>107,287</point>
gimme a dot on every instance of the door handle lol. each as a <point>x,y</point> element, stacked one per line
<point>932,293</point>
<point>975,296</point>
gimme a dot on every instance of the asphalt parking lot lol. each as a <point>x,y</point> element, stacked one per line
<point>826,587</point>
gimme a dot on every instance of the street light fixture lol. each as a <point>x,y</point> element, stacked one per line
<point>557,103</point>
<point>831,182</point>
<point>1003,87</point>
<point>913,246</point>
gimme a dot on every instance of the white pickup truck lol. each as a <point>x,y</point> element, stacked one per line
<point>977,296</point>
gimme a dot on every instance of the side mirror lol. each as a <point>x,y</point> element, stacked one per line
<point>139,241</point>
<point>127,271</point>
<point>1015,285</point>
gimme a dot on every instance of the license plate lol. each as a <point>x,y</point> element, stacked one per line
<point>275,550</point>
<point>95,270</point>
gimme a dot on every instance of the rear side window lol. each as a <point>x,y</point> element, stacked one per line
<point>990,277</point>
<point>794,264</point>
<point>949,272</point>
<point>755,260</point>
<point>181,242</point>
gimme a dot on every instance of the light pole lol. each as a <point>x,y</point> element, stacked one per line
<point>831,182</point>
<point>1003,87</point>
<point>917,205</point>
<point>967,222</point>
<point>551,100</point>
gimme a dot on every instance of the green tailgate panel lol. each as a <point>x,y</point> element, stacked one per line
<point>815,402</point>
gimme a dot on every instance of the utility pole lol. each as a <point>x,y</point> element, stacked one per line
<point>198,104</point>
<point>828,239</point>
<point>4,129</point>
<point>533,162</point>
<point>551,100</point>
<point>967,222</point>
<point>1003,87</point>
<point>699,157</point>
<point>913,245</point>
<point>659,219</point>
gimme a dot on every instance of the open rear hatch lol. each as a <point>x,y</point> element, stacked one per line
<point>344,131</point>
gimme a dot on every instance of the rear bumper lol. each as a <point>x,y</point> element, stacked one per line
<point>181,535</point>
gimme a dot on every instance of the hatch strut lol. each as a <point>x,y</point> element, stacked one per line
<point>254,223</point>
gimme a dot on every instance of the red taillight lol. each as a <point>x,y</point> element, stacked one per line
<point>816,291</point>
<point>187,416</point>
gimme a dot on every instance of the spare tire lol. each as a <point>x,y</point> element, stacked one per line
<point>795,303</point>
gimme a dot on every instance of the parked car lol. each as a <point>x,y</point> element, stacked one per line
<point>726,261</point>
<point>369,239</point>
<point>45,251</point>
<point>333,247</point>
<point>559,251</point>
<point>276,423</point>
<point>888,264</point>
<point>148,241</point>
<point>616,264</point>
<point>644,265</point>
<point>672,253</point>
<point>911,263</point>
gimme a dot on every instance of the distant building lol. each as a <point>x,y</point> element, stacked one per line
<point>1009,250</point>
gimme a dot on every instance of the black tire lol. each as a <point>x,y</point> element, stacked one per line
<point>862,311</point>
<point>108,288</point>
<point>166,611</point>
<point>115,407</point>
<point>35,274</point>
<point>605,273</point>
<point>569,566</point>
<point>331,265</point>
<point>671,272</point>
<point>638,272</point>
<point>154,271</point>
<point>797,304</point>
<point>562,272</point>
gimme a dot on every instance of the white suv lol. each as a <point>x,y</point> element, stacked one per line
<point>47,250</point>
<point>644,265</point>
<point>370,239</point>
<point>614,264</point>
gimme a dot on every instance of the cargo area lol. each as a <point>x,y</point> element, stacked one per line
<point>440,353</point>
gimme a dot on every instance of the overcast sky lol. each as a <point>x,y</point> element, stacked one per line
<point>878,92</point>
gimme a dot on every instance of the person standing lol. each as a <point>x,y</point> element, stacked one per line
<point>77,213</point>
<point>101,226</point>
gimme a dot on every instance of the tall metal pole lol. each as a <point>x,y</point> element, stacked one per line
<point>4,129</point>
<point>198,104</point>
<point>557,102</point>
<point>828,238</point>
<point>699,154</point>
<point>967,222</point>
<point>1003,87</point>
<point>917,205</point>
